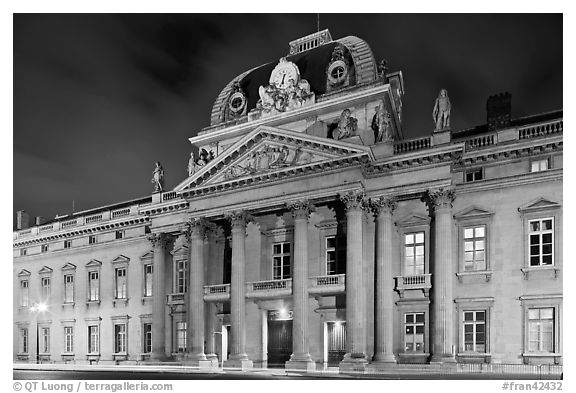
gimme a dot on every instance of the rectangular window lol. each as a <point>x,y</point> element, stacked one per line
<point>541,330</point>
<point>22,252</point>
<point>473,175</point>
<point>280,261</point>
<point>69,288</point>
<point>68,339</point>
<point>94,286</point>
<point>335,255</point>
<point>474,331</point>
<point>475,248</point>
<point>24,294</point>
<point>23,344</point>
<point>45,343</point>
<point>45,287</point>
<point>121,283</point>
<point>181,336</point>
<point>541,242</point>
<point>148,277</point>
<point>44,248</point>
<point>147,345</point>
<point>414,332</point>
<point>539,165</point>
<point>120,338</point>
<point>120,234</point>
<point>414,254</point>
<point>67,243</point>
<point>92,239</point>
<point>181,284</point>
<point>94,339</point>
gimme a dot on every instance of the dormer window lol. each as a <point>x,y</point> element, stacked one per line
<point>473,175</point>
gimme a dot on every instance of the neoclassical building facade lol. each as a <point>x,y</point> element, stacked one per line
<point>310,234</point>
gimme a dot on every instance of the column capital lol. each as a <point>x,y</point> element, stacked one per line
<point>442,197</point>
<point>354,200</point>
<point>383,204</point>
<point>198,227</point>
<point>301,208</point>
<point>161,240</point>
<point>239,218</point>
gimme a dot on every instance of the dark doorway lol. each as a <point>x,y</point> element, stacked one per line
<point>336,342</point>
<point>279,342</point>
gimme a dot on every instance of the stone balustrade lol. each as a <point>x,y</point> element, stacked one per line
<point>329,284</point>
<point>175,298</point>
<point>542,129</point>
<point>410,145</point>
<point>481,141</point>
<point>417,281</point>
<point>267,289</point>
<point>219,292</point>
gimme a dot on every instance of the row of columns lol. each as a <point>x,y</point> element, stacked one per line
<point>356,204</point>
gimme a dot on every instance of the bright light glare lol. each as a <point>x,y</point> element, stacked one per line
<point>40,307</point>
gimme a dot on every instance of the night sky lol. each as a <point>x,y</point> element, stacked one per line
<point>99,98</point>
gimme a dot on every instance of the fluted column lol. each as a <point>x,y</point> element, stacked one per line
<point>383,208</point>
<point>443,329</point>
<point>355,204</point>
<point>300,358</point>
<point>159,242</point>
<point>238,356</point>
<point>197,232</point>
<point>209,333</point>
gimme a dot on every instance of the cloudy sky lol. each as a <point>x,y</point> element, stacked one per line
<point>99,98</point>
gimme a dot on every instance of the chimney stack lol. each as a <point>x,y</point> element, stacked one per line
<point>40,220</point>
<point>498,111</point>
<point>22,220</point>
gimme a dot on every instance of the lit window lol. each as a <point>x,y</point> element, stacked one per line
<point>474,326</point>
<point>147,345</point>
<point>24,293</point>
<point>539,165</point>
<point>45,287</point>
<point>541,245</point>
<point>121,283</point>
<point>181,284</point>
<point>120,234</point>
<point>44,248</point>
<point>541,329</point>
<point>45,344</point>
<point>181,336</point>
<point>474,175</point>
<point>67,243</point>
<point>92,239</point>
<point>93,286</point>
<point>23,342</point>
<point>414,332</point>
<point>280,261</point>
<point>475,248</point>
<point>148,277</point>
<point>414,253</point>
<point>68,339</point>
<point>93,339</point>
<point>69,288</point>
<point>120,338</point>
<point>335,255</point>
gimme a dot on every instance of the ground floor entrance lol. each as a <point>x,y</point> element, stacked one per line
<point>279,340</point>
<point>336,342</point>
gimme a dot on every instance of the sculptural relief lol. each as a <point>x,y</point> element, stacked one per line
<point>441,112</point>
<point>347,126</point>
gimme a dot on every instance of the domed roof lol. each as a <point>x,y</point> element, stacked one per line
<point>313,65</point>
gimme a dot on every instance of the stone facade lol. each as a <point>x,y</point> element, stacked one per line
<point>290,248</point>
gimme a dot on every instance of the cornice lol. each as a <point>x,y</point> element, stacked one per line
<point>164,207</point>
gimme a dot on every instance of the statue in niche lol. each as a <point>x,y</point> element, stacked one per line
<point>192,165</point>
<point>382,125</point>
<point>441,112</point>
<point>158,178</point>
<point>347,125</point>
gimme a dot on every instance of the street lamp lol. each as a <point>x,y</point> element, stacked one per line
<point>37,309</point>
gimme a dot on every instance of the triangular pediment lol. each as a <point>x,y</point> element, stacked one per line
<point>121,259</point>
<point>181,250</point>
<point>94,263</point>
<point>269,150</point>
<point>24,273</point>
<point>45,270</point>
<point>413,219</point>
<point>539,204</point>
<point>69,266</point>
<point>473,212</point>
<point>147,255</point>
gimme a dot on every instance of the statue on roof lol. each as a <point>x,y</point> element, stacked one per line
<point>382,125</point>
<point>158,178</point>
<point>441,112</point>
<point>347,125</point>
<point>191,164</point>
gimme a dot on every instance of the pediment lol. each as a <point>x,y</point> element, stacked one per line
<point>94,263</point>
<point>24,273</point>
<point>269,150</point>
<point>121,259</point>
<point>539,204</point>
<point>413,219</point>
<point>69,266</point>
<point>473,212</point>
<point>181,250</point>
<point>147,255</point>
<point>45,270</point>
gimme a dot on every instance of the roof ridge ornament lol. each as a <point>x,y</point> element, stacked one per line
<point>310,41</point>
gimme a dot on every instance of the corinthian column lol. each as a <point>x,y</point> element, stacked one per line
<point>383,208</point>
<point>355,204</point>
<point>159,243</point>
<point>238,357</point>
<point>300,358</point>
<point>443,316</point>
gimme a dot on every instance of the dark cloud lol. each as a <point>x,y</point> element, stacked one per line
<point>98,98</point>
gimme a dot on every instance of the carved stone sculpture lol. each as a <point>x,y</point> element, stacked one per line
<point>382,125</point>
<point>191,165</point>
<point>158,178</point>
<point>441,112</point>
<point>347,126</point>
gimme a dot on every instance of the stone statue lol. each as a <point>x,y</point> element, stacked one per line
<point>347,125</point>
<point>191,165</point>
<point>382,68</point>
<point>382,125</point>
<point>158,178</point>
<point>441,112</point>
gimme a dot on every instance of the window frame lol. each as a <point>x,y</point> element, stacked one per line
<point>24,340</point>
<point>123,294</point>
<point>120,347</point>
<point>147,337</point>
<point>21,301</point>
<point>177,287</point>
<point>44,248</point>
<point>410,306</point>
<point>67,243</point>
<point>68,350</point>
<point>463,305</point>
<point>44,341</point>
<point>540,233</point>
<point>547,159</point>
<point>181,339</point>
<point>46,286</point>
<point>472,217</point>
<point>473,171</point>
<point>412,224</point>
<point>414,324</point>
<point>90,340</point>
<point>413,245</point>
<point>67,299</point>
<point>92,239</point>
<point>92,289</point>
<point>530,302</point>
<point>283,254</point>
<point>148,285</point>
<point>120,234</point>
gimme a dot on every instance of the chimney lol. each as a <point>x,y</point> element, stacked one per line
<point>498,111</point>
<point>40,220</point>
<point>22,220</point>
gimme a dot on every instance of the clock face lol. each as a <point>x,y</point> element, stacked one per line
<point>284,75</point>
